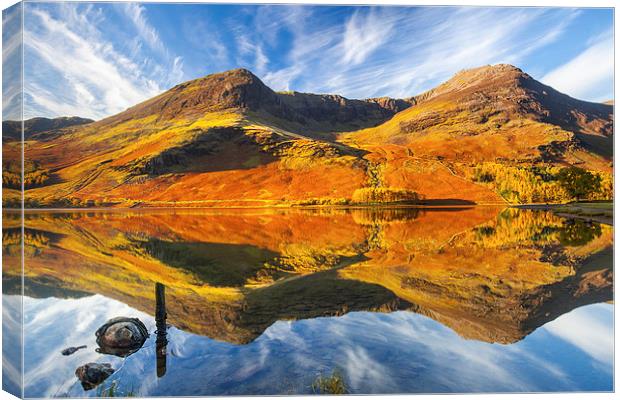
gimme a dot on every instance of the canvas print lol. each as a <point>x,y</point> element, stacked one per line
<point>233,199</point>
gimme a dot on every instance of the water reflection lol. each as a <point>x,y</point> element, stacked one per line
<point>404,291</point>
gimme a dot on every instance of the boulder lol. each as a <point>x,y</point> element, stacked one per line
<point>121,336</point>
<point>92,375</point>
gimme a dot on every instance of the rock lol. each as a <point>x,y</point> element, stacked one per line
<point>70,350</point>
<point>92,375</point>
<point>121,336</point>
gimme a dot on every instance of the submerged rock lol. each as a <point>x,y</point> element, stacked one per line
<point>70,350</point>
<point>92,375</point>
<point>121,336</point>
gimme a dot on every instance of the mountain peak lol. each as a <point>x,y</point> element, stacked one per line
<point>236,88</point>
<point>492,68</point>
<point>498,75</point>
<point>507,88</point>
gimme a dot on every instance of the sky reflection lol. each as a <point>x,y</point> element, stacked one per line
<point>376,352</point>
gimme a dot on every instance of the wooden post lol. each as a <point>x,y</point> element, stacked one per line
<point>160,322</point>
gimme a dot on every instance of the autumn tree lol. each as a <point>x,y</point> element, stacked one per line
<point>578,182</point>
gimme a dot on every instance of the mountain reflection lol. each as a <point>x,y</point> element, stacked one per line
<point>488,274</point>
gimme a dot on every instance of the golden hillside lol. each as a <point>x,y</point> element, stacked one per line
<point>488,135</point>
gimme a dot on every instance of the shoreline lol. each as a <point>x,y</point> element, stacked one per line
<point>601,212</point>
<point>283,208</point>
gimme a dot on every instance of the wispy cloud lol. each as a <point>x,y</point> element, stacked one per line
<point>98,59</point>
<point>11,63</point>
<point>73,69</point>
<point>590,74</point>
<point>401,52</point>
<point>434,44</point>
<point>364,34</point>
<point>599,342</point>
<point>136,14</point>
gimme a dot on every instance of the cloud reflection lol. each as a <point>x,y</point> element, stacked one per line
<point>400,352</point>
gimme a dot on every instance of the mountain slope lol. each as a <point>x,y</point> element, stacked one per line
<point>492,121</point>
<point>11,130</point>
<point>495,112</point>
<point>241,89</point>
<point>229,140</point>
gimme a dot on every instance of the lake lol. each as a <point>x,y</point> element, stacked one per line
<point>290,301</point>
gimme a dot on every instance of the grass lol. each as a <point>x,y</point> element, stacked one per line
<point>330,384</point>
<point>112,391</point>
<point>601,210</point>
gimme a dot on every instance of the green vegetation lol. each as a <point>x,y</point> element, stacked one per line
<point>578,233</point>
<point>543,184</point>
<point>331,384</point>
<point>34,175</point>
<point>112,391</point>
<point>578,182</point>
<point>375,195</point>
<point>322,201</point>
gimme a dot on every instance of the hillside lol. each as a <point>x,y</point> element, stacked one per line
<point>488,135</point>
<point>11,130</point>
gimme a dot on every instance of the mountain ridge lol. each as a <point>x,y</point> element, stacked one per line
<point>228,139</point>
<point>12,130</point>
<point>241,89</point>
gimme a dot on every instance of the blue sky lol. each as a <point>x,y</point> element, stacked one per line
<point>94,60</point>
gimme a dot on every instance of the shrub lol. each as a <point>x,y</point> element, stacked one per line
<point>332,384</point>
<point>384,195</point>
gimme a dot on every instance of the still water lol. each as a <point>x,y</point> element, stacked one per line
<point>284,302</point>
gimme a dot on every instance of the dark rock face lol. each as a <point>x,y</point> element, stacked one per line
<point>92,375</point>
<point>338,109</point>
<point>392,105</point>
<point>121,336</point>
<point>11,130</point>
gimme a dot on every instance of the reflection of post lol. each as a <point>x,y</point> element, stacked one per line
<point>160,323</point>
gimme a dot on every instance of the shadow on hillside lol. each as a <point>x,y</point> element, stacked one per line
<point>232,148</point>
<point>600,145</point>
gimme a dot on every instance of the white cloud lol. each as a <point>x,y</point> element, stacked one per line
<point>588,329</point>
<point>363,35</point>
<point>11,63</point>
<point>432,45</point>
<point>282,79</point>
<point>93,64</point>
<point>135,12</point>
<point>73,70</point>
<point>401,52</point>
<point>589,75</point>
<point>249,49</point>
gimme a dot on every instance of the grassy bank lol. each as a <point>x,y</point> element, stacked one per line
<point>599,211</point>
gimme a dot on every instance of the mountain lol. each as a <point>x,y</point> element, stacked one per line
<point>506,106</point>
<point>11,130</point>
<point>241,89</point>
<point>488,135</point>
